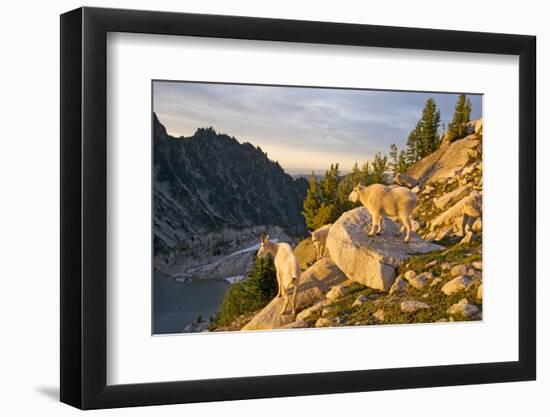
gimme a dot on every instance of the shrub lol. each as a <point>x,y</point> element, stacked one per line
<point>249,295</point>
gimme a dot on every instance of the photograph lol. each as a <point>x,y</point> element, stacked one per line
<point>293,207</point>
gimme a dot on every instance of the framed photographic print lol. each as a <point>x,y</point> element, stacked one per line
<point>258,207</point>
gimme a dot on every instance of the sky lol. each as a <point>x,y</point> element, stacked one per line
<point>304,129</point>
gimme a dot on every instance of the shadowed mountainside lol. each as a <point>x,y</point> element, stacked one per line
<point>210,181</point>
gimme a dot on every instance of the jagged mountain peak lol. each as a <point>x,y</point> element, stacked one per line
<point>210,181</point>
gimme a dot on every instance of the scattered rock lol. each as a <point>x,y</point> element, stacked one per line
<point>452,197</point>
<point>469,206</point>
<point>371,261</point>
<point>436,281</point>
<point>430,236</point>
<point>338,291</point>
<point>328,311</point>
<point>464,308</point>
<point>324,322</point>
<point>379,315</point>
<point>460,269</point>
<point>445,266</point>
<point>468,170</point>
<point>443,320</point>
<point>428,189</point>
<point>432,263</point>
<point>310,312</point>
<point>445,232</point>
<point>359,301</point>
<point>405,180</point>
<point>478,225</point>
<point>298,324</point>
<point>409,275</point>
<point>468,237</point>
<point>412,306</point>
<point>480,292</point>
<point>421,280</point>
<point>399,287</point>
<point>477,265</point>
<point>455,285</point>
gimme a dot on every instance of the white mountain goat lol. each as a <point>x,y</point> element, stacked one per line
<point>287,267</point>
<point>319,239</point>
<point>386,201</point>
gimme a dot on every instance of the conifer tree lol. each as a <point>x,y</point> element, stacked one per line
<point>312,202</point>
<point>413,144</point>
<point>366,174</point>
<point>431,120</point>
<point>379,168</point>
<point>461,116</point>
<point>262,281</point>
<point>402,164</point>
<point>247,296</point>
<point>329,186</point>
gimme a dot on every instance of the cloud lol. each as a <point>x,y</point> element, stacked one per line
<point>302,128</point>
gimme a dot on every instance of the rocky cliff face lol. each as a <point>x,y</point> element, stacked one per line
<point>210,181</point>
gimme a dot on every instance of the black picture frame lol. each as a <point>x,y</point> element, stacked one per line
<point>84,207</point>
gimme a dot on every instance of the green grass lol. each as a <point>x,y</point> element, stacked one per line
<point>391,305</point>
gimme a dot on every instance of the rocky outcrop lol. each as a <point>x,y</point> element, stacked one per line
<point>405,180</point>
<point>315,283</point>
<point>371,261</point>
<point>468,206</point>
<point>452,197</point>
<point>447,161</point>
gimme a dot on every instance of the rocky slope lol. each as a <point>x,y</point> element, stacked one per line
<point>210,181</point>
<point>365,280</point>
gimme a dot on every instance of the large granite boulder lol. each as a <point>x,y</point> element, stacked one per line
<point>371,261</point>
<point>315,283</point>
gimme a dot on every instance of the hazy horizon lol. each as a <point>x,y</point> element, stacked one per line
<point>304,129</point>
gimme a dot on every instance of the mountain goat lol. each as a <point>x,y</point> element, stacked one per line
<point>287,267</point>
<point>319,239</point>
<point>386,201</point>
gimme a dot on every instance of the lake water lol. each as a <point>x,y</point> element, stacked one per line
<point>177,304</point>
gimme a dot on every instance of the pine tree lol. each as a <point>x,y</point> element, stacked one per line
<point>429,137</point>
<point>366,174</point>
<point>402,164</point>
<point>356,174</point>
<point>329,186</point>
<point>379,168</point>
<point>413,144</point>
<point>461,116</point>
<point>312,202</point>
<point>262,281</point>
<point>253,293</point>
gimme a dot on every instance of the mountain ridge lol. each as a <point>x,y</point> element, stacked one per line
<point>210,181</point>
